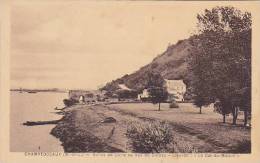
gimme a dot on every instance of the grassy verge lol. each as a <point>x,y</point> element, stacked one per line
<point>204,131</point>
<point>82,129</point>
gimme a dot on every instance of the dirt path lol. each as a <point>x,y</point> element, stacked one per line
<point>201,142</point>
<point>82,130</point>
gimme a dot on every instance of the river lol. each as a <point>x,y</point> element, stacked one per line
<point>34,107</point>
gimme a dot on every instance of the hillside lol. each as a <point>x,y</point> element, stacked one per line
<point>171,64</point>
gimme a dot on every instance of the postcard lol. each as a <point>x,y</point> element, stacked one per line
<point>108,81</point>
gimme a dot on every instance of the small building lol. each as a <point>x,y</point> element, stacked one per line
<point>124,87</point>
<point>176,89</point>
<point>144,95</point>
<point>82,96</point>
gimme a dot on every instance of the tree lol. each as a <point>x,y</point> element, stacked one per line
<point>221,59</point>
<point>200,94</point>
<point>199,101</point>
<point>126,94</point>
<point>70,102</point>
<point>156,89</point>
<point>199,90</point>
<point>221,109</point>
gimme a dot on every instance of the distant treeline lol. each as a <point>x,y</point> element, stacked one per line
<point>40,90</point>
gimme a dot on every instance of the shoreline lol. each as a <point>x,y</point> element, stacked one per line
<point>76,140</point>
<point>81,130</point>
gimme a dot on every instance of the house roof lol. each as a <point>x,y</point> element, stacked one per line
<point>124,87</point>
<point>175,82</point>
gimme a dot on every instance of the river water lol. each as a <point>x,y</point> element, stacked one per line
<point>34,107</point>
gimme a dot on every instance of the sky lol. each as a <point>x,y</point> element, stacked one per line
<point>85,45</point>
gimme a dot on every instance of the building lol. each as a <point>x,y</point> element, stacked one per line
<point>124,87</point>
<point>82,96</point>
<point>176,89</point>
<point>144,95</point>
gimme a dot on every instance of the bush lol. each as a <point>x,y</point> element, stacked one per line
<point>69,102</point>
<point>173,104</point>
<point>243,146</point>
<point>126,94</point>
<point>150,137</point>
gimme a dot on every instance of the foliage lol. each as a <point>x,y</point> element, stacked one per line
<point>69,102</point>
<point>157,94</point>
<point>220,108</point>
<point>221,59</point>
<point>155,80</point>
<point>110,87</point>
<point>156,88</point>
<point>173,104</point>
<point>243,146</point>
<point>108,94</point>
<point>124,94</point>
<point>150,138</point>
<point>201,99</point>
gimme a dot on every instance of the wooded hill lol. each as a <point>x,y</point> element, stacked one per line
<point>171,64</point>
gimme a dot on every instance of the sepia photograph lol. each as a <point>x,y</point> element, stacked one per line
<point>130,77</point>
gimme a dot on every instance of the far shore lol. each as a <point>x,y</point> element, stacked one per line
<point>39,90</point>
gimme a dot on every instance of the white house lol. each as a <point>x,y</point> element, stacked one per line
<point>176,89</point>
<point>143,95</point>
<point>82,95</point>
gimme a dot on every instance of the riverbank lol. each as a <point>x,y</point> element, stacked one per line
<point>84,129</point>
<point>75,131</point>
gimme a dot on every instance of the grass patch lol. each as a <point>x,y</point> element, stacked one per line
<point>243,146</point>
<point>173,105</point>
<point>184,147</point>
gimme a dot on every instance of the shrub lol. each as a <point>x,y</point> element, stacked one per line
<point>150,137</point>
<point>69,102</point>
<point>126,94</point>
<point>243,146</point>
<point>173,104</point>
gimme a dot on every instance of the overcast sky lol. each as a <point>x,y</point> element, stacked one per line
<point>84,45</point>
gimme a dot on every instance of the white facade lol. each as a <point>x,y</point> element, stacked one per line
<point>176,88</point>
<point>144,94</point>
<point>81,99</point>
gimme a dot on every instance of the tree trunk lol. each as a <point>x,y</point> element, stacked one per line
<point>245,117</point>
<point>234,120</point>
<point>159,106</point>
<point>234,113</point>
<point>200,110</point>
<point>224,118</point>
